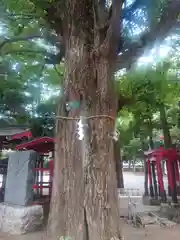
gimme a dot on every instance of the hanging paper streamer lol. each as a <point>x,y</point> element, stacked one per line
<point>116,133</point>
<point>80,130</point>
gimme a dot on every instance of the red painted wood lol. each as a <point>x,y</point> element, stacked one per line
<point>42,145</point>
<point>160,175</point>
<point>40,187</point>
<point>26,134</point>
<point>41,169</point>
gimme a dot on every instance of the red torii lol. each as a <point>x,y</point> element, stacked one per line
<point>155,158</point>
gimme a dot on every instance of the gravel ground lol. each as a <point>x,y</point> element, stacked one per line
<point>152,232</point>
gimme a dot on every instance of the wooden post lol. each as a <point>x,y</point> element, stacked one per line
<point>151,190</point>
<point>174,189</point>
<point>162,192</point>
<point>154,179</point>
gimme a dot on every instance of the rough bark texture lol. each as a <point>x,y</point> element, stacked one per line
<point>151,145</point>
<point>165,126</point>
<point>145,174</point>
<point>119,165</point>
<point>84,202</point>
<point>150,133</point>
<point>146,192</point>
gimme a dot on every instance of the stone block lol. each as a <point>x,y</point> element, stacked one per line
<point>20,178</point>
<point>151,202</point>
<point>20,220</point>
<point>145,219</point>
<point>124,204</point>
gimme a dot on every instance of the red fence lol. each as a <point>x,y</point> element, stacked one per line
<point>43,180</point>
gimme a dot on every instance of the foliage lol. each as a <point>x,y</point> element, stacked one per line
<point>28,42</point>
<point>149,87</point>
<point>41,23</point>
<point>44,124</point>
<point>175,134</point>
<point>133,148</point>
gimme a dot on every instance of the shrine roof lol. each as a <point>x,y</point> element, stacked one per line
<point>40,145</point>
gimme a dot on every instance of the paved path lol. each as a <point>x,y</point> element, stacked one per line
<point>131,180</point>
<point>136,180</point>
<point>152,232</point>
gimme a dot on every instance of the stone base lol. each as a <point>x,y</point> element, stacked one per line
<point>152,202</point>
<point>18,220</point>
<point>172,212</point>
<point>124,204</point>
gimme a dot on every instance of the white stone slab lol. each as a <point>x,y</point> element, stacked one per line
<point>17,220</point>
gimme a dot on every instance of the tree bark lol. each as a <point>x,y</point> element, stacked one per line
<point>150,132</point>
<point>151,144</point>
<point>165,126</point>
<point>84,204</point>
<point>119,165</point>
<point>133,164</point>
<point>145,178</point>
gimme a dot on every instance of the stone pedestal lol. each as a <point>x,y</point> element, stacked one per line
<point>17,220</point>
<point>151,202</point>
<point>20,178</point>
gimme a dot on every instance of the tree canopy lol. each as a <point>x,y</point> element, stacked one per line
<point>31,47</point>
<point>52,48</point>
<point>26,22</point>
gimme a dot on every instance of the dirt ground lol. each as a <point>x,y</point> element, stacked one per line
<point>152,232</point>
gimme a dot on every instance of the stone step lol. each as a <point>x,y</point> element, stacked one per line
<point>146,220</point>
<point>152,218</point>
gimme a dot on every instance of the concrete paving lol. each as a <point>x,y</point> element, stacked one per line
<point>131,181</point>
<point>136,181</point>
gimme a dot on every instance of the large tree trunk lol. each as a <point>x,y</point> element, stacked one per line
<point>119,165</point>
<point>151,144</point>
<point>165,126</point>
<point>150,133</point>
<point>84,203</point>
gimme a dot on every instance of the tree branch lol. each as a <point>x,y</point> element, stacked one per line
<point>55,59</point>
<point>101,14</point>
<point>123,101</point>
<point>49,38</point>
<point>18,39</point>
<point>50,59</point>
<point>112,34</point>
<point>21,16</point>
<point>158,33</point>
<point>116,19</point>
<point>21,51</point>
<point>58,73</point>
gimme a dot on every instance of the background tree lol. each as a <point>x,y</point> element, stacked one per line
<point>92,33</point>
<point>154,91</point>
